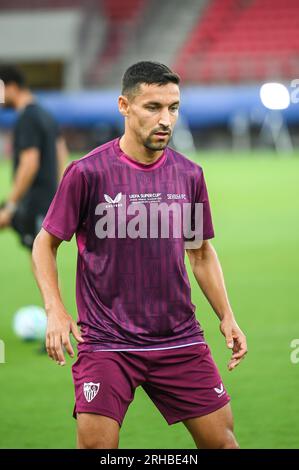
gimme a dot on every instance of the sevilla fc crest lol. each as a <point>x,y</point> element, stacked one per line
<point>90,390</point>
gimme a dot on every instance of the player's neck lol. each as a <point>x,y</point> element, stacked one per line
<point>138,152</point>
<point>25,97</point>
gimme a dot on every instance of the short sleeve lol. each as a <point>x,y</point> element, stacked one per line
<point>30,133</point>
<point>201,225</point>
<point>67,209</point>
<point>202,197</point>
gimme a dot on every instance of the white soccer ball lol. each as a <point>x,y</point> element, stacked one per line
<point>30,323</point>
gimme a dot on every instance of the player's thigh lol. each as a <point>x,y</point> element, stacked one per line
<point>214,430</point>
<point>97,432</point>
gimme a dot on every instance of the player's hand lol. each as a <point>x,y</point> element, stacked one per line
<point>235,340</point>
<point>59,327</point>
<point>5,218</point>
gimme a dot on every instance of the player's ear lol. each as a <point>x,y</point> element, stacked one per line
<point>123,105</point>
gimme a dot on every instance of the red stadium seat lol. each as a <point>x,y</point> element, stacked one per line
<point>263,34</point>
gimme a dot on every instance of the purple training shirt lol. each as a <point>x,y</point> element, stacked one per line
<point>132,292</point>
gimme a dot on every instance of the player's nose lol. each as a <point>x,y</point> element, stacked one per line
<point>164,120</point>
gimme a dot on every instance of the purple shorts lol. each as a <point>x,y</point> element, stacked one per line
<point>182,382</point>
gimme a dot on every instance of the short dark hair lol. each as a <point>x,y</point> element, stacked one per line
<point>147,72</point>
<point>11,74</point>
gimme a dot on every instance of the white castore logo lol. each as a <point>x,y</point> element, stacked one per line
<point>90,390</point>
<point>113,201</point>
<point>219,390</point>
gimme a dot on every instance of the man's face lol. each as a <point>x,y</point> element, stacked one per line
<point>152,113</point>
<point>10,93</point>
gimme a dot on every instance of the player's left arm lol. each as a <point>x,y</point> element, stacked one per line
<point>26,171</point>
<point>209,276</point>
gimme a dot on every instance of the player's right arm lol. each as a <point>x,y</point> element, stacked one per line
<point>60,323</point>
<point>62,155</point>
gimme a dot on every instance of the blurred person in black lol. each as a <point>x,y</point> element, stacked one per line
<point>39,159</point>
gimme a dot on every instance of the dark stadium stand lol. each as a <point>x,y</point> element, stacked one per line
<point>238,40</point>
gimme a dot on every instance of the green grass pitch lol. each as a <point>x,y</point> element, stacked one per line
<point>255,205</point>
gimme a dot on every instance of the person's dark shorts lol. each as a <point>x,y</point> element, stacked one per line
<point>27,223</point>
<point>182,382</point>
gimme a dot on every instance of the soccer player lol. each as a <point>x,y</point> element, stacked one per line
<point>38,162</point>
<point>138,324</point>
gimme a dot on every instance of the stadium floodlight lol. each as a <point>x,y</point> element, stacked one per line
<point>275,96</point>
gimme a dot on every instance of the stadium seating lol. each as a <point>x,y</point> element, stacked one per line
<point>45,4</point>
<point>116,10</point>
<point>122,11</point>
<point>118,16</point>
<point>121,16</point>
<point>238,40</point>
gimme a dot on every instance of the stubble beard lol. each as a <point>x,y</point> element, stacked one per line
<point>156,146</point>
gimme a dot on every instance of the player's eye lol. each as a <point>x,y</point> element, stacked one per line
<point>173,109</point>
<point>151,107</point>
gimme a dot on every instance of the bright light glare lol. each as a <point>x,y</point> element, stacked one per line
<point>275,96</point>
